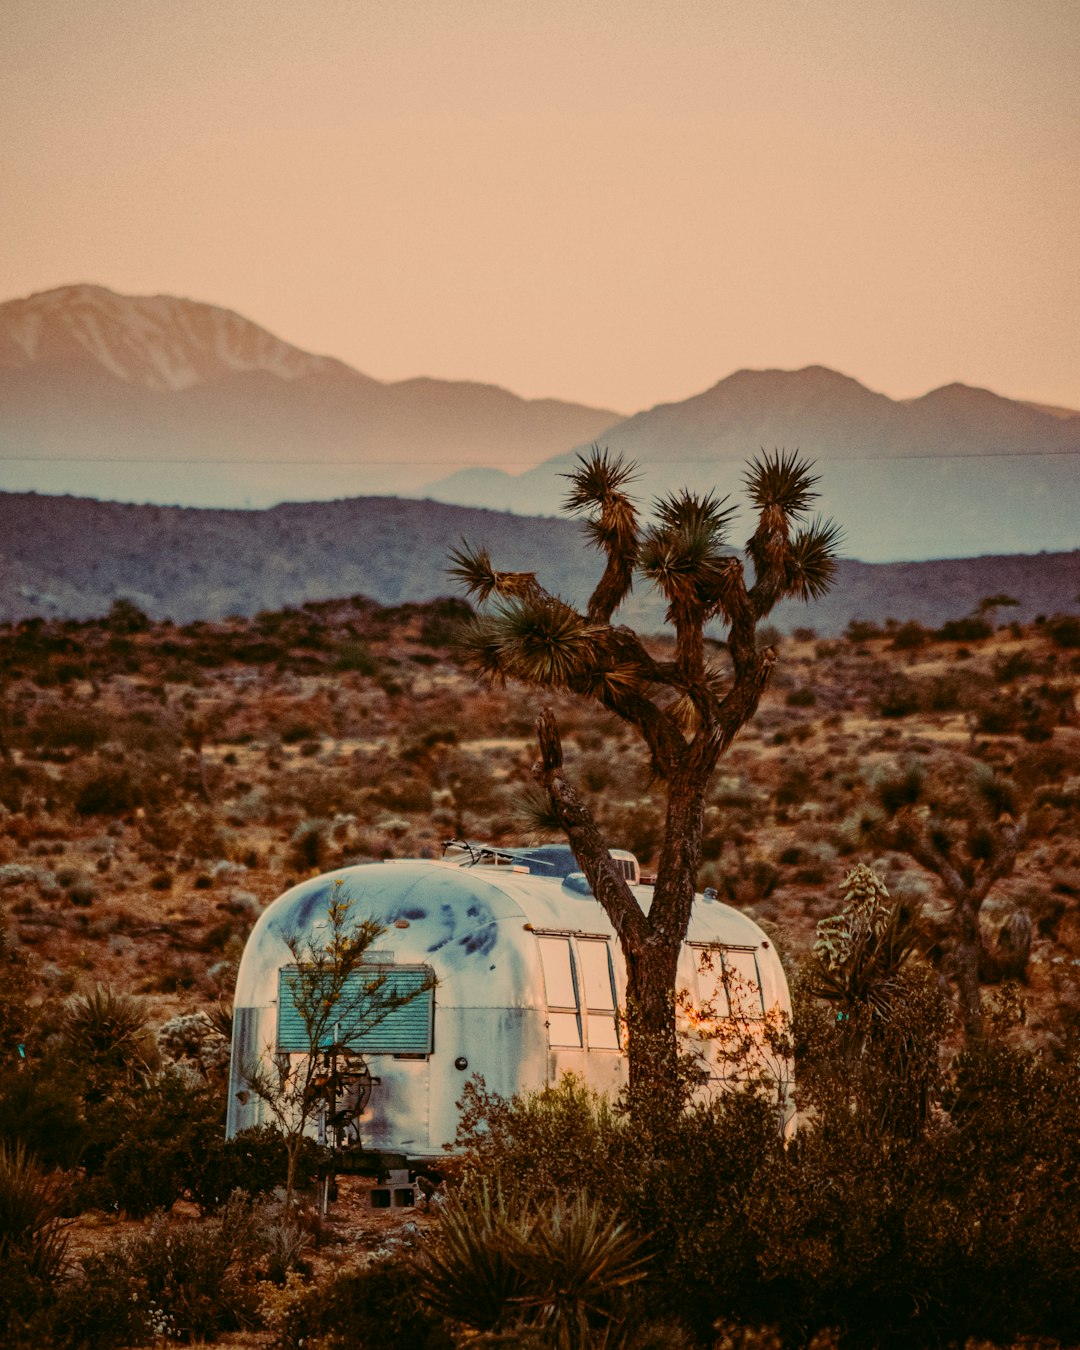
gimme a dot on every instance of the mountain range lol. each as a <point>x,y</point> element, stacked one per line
<point>154,398</point>
<point>66,557</point>
<point>164,400</point>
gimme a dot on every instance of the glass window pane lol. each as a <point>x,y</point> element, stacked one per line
<point>744,984</point>
<point>712,1000</point>
<point>558,972</point>
<point>564,1028</point>
<point>596,975</point>
<point>603,1032</point>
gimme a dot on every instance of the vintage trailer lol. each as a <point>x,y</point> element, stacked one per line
<point>528,980</point>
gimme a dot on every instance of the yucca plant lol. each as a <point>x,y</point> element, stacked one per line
<point>472,1272</point>
<point>686,709</point>
<point>890,1014</point>
<point>497,1265</point>
<point>579,1261</point>
<point>107,1035</point>
<point>32,1238</point>
<point>861,951</point>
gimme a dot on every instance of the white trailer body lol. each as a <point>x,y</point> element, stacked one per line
<point>529,977</point>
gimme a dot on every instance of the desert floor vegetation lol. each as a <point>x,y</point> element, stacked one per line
<point>159,785</point>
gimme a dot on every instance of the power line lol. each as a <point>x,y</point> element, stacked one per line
<point>455,466</point>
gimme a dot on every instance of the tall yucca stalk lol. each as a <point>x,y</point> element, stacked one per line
<point>685,709</point>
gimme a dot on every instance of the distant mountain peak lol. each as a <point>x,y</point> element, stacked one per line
<point>158,342</point>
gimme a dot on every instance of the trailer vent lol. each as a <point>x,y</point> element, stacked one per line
<point>382,1010</point>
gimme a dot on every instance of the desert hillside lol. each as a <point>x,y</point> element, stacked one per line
<point>71,557</point>
<point>161,784</point>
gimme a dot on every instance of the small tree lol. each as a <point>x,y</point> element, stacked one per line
<point>966,833</point>
<point>326,994</point>
<point>686,709</point>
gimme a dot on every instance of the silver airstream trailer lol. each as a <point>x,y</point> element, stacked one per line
<point>520,978</point>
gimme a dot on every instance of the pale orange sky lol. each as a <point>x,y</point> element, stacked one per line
<point>613,202</point>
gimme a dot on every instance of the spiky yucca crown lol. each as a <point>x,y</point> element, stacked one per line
<point>865,912</point>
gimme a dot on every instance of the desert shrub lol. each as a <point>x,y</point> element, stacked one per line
<point>796,786</point>
<point>111,791</point>
<point>125,616</point>
<point>801,698</point>
<point>310,845</point>
<point>900,699</point>
<point>254,1161</point>
<point>106,1040</point>
<point>406,794</point>
<point>970,629</point>
<point>16,988</point>
<point>541,1143</point>
<point>563,1269</point>
<point>32,1242</point>
<point>909,637</point>
<point>442,624</point>
<point>365,1308</point>
<point>36,1113</point>
<point>66,727</point>
<point>292,733</point>
<point>146,1148</point>
<point>179,1282</point>
<point>106,787</point>
<point>357,658</point>
<point>750,881</point>
<point>860,630</point>
<point>20,781</point>
<point>1014,667</point>
<point>999,717</point>
<point>1064,630</point>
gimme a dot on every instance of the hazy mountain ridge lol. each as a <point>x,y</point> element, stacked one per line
<point>69,557</point>
<point>956,472</point>
<point>87,375</point>
<point>165,400</point>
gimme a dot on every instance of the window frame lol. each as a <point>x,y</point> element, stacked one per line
<point>575,938</point>
<point>720,949</point>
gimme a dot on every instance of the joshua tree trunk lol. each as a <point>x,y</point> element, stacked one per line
<point>966,959</point>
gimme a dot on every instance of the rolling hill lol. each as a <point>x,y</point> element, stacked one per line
<point>71,557</point>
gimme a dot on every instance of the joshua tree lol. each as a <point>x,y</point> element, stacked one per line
<point>967,833</point>
<point>686,709</point>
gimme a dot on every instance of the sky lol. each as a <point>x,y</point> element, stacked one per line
<point>617,202</point>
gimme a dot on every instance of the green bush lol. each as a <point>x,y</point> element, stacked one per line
<point>910,637</point>
<point>254,1161</point>
<point>180,1282</point>
<point>150,1146</point>
<point>900,699</point>
<point>912,1227</point>
<point>36,1113</point>
<point>1064,630</point>
<point>970,629</point>
<point>371,1307</point>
